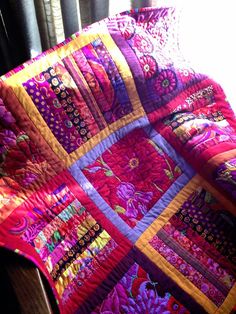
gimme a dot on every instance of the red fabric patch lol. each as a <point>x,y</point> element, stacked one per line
<point>132,175</point>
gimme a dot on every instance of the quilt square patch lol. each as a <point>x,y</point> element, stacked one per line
<point>195,238</point>
<point>80,95</point>
<point>158,77</point>
<point>62,225</point>
<point>132,175</point>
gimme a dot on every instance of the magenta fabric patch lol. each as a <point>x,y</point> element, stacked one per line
<point>132,175</point>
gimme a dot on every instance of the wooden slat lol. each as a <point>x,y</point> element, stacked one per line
<point>26,287</point>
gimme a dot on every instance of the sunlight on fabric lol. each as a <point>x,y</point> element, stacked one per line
<point>118,6</point>
<point>206,40</point>
<point>205,36</point>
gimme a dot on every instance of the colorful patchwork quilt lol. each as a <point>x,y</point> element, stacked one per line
<point>118,172</point>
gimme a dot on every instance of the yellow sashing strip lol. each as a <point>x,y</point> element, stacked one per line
<point>229,302</point>
<point>38,120</point>
<point>222,157</point>
<point>170,210</point>
<point>101,136</point>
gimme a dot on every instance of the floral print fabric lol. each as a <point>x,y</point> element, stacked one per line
<point>133,181</point>
<point>138,292</point>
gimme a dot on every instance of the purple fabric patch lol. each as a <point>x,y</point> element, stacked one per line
<point>225,176</point>
<point>51,110</point>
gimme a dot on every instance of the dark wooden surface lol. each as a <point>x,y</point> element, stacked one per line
<point>23,289</point>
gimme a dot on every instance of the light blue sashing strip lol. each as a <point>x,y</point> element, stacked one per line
<point>160,205</point>
<point>155,211</point>
<point>101,147</point>
<point>101,204</point>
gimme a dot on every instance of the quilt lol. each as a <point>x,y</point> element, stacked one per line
<point>118,172</point>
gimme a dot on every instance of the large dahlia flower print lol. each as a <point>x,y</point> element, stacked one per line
<point>148,302</point>
<point>143,44</point>
<point>149,66</point>
<point>126,28</point>
<point>166,82</point>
